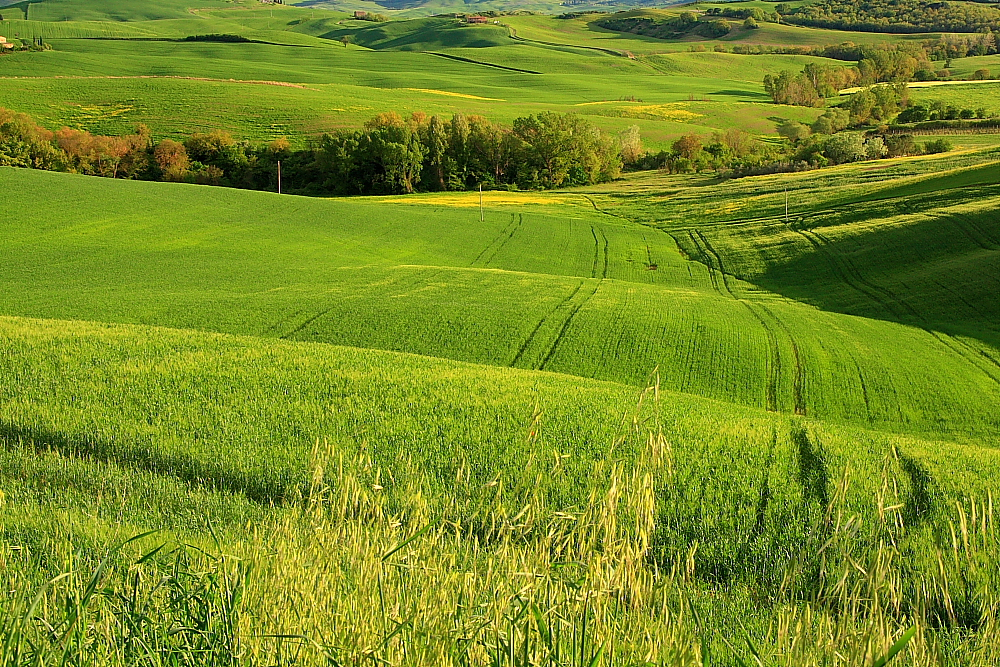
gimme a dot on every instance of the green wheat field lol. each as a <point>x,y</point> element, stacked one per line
<point>671,419</point>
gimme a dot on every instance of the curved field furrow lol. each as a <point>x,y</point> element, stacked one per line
<point>799,384</point>
<point>887,298</point>
<point>593,272</point>
<point>504,234</point>
<point>529,342</point>
<point>566,324</point>
<point>505,240</point>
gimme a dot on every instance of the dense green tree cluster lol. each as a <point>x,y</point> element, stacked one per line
<point>811,86</point>
<point>755,13</point>
<point>389,155</point>
<point>711,25</point>
<point>897,16</point>
<point>392,154</point>
<point>961,46</point>
<point>723,153</point>
<point>942,48</point>
<point>815,83</point>
<point>938,110</point>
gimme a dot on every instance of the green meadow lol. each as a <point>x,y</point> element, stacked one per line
<point>477,348</point>
<point>667,420</point>
<point>330,86</point>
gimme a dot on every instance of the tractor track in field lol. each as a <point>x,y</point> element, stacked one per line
<point>534,332</point>
<point>597,254</point>
<point>989,242</point>
<point>842,271</point>
<point>307,322</point>
<point>705,260</point>
<point>852,276</point>
<point>713,260</point>
<point>774,373</point>
<point>864,389</point>
<point>613,215</point>
<point>276,327</point>
<point>505,234</point>
<point>799,384</point>
<point>967,231</point>
<point>955,294</point>
<point>503,243</point>
<point>951,342</point>
<point>565,327</point>
<point>779,219</point>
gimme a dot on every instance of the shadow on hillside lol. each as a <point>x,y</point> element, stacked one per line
<point>941,273</point>
<point>255,488</point>
<point>741,93</point>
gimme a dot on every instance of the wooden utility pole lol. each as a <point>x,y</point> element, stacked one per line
<point>786,205</point>
<point>482,216</point>
<point>279,177</point>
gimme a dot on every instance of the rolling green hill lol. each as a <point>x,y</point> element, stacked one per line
<point>128,10</point>
<point>553,64</point>
<point>332,86</point>
<point>555,285</point>
<point>668,420</point>
<point>797,372</point>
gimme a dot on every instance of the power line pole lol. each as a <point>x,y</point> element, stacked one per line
<point>482,216</point>
<point>786,205</point>
<point>279,177</point>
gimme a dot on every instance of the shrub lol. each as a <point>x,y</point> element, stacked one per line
<point>875,148</point>
<point>793,130</point>
<point>913,114</point>
<point>842,148</point>
<point>832,121</point>
<point>937,146</point>
<point>719,28</point>
<point>900,144</point>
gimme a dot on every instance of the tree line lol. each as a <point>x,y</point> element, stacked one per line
<point>715,24</point>
<point>894,16</point>
<point>389,155</point>
<point>817,82</point>
<point>736,153</point>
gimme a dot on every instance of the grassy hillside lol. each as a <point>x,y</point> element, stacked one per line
<point>120,10</point>
<point>553,285</point>
<point>821,418</point>
<point>337,87</point>
<point>584,31</point>
<point>473,69</point>
<point>114,430</point>
<point>668,420</point>
<point>529,64</point>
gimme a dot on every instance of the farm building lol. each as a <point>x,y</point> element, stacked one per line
<point>358,14</point>
<point>476,19</point>
<point>4,44</point>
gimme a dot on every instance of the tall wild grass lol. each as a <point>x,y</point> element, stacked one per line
<point>353,573</point>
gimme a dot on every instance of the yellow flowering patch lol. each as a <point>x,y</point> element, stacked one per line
<point>471,199</point>
<point>451,94</point>
<point>671,112</point>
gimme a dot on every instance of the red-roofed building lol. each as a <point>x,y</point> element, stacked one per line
<point>476,19</point>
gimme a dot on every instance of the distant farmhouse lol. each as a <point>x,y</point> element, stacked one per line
<point>358,14</point>
<point>476,19</point>
<point>4,44</point>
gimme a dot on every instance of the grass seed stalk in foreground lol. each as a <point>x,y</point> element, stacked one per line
<point>359,570</point>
